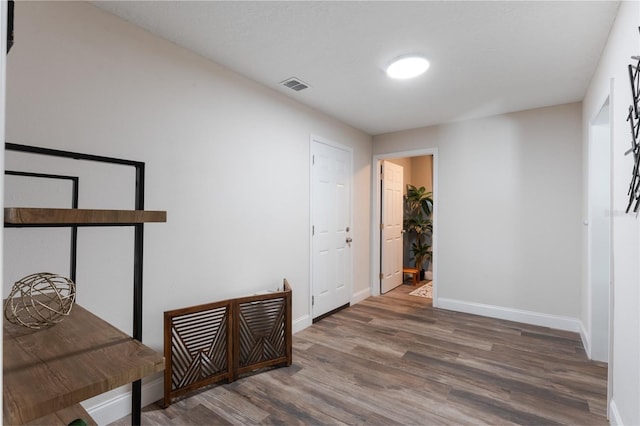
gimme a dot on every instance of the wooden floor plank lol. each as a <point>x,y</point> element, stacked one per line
<point>394,359</point>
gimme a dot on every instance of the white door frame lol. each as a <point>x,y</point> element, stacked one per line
<point>592,140</point>
<point>375,216</point>
<point>319,139</point>
<point>607,100</point>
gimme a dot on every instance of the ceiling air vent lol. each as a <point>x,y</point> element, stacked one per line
<point>296,84</point>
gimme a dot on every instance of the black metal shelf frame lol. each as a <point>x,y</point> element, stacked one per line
<point>136,401</point>
<point>75,181</point>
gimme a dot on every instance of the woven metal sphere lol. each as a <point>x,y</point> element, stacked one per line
<point>40,300</point>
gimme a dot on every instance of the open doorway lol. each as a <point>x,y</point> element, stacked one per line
<point>419,170</point>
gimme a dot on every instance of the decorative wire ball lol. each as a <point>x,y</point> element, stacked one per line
<point>40,300</point>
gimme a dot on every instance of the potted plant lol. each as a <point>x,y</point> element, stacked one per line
<point>418,225</point>
<point>418,201</point>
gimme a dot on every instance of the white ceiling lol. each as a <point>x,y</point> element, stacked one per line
<point>487,57</point>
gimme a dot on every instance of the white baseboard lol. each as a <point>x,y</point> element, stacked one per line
<point>119,406</point>
<point>586,343</point>
<point>360,296</point>
<point>301,323</point>
<point>528,317</point>
<point>614,414</point>
<point>305,321</point>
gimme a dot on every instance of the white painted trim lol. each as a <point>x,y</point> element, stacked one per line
<point>301,323</point>
<point>310,230</point>
<point>360,296</point>
<point>591,140</point>
<point>612,289</point>
<point>120,405</point>
<point>319,139</point>
<point>614,414</point>
<point>586,342</point>
<point>375,216</point>
<point>434,235</point>
<point>517,315</point>
<point>607,97</point>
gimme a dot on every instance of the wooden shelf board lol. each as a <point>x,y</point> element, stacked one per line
<point>43,216</point>
<point>83,356</point>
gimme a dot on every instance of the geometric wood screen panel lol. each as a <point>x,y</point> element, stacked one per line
<point>198,352</point>
<point>262,330</point>
<point>218,341</point>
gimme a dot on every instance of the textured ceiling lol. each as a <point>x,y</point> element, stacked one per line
<point>487,57</point>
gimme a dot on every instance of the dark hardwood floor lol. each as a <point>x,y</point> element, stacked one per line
<point>394,359</point>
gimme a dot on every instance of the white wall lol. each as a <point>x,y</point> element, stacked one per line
<point>422,171</point>
<point>509,211</point>
<point>227,158</point>
<point>624,41</point>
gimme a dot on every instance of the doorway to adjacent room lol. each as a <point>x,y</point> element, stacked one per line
<point>391,259</point>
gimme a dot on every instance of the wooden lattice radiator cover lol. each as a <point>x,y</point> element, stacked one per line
<point>208,343</point>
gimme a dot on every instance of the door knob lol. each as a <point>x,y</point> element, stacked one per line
<point>349,240</point>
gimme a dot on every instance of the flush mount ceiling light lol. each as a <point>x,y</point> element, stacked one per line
<point>407,67</point>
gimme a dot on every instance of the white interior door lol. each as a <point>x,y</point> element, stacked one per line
<point>391,233</point>
<point>331,227</point>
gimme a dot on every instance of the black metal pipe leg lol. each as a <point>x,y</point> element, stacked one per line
<point>136,403</point>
